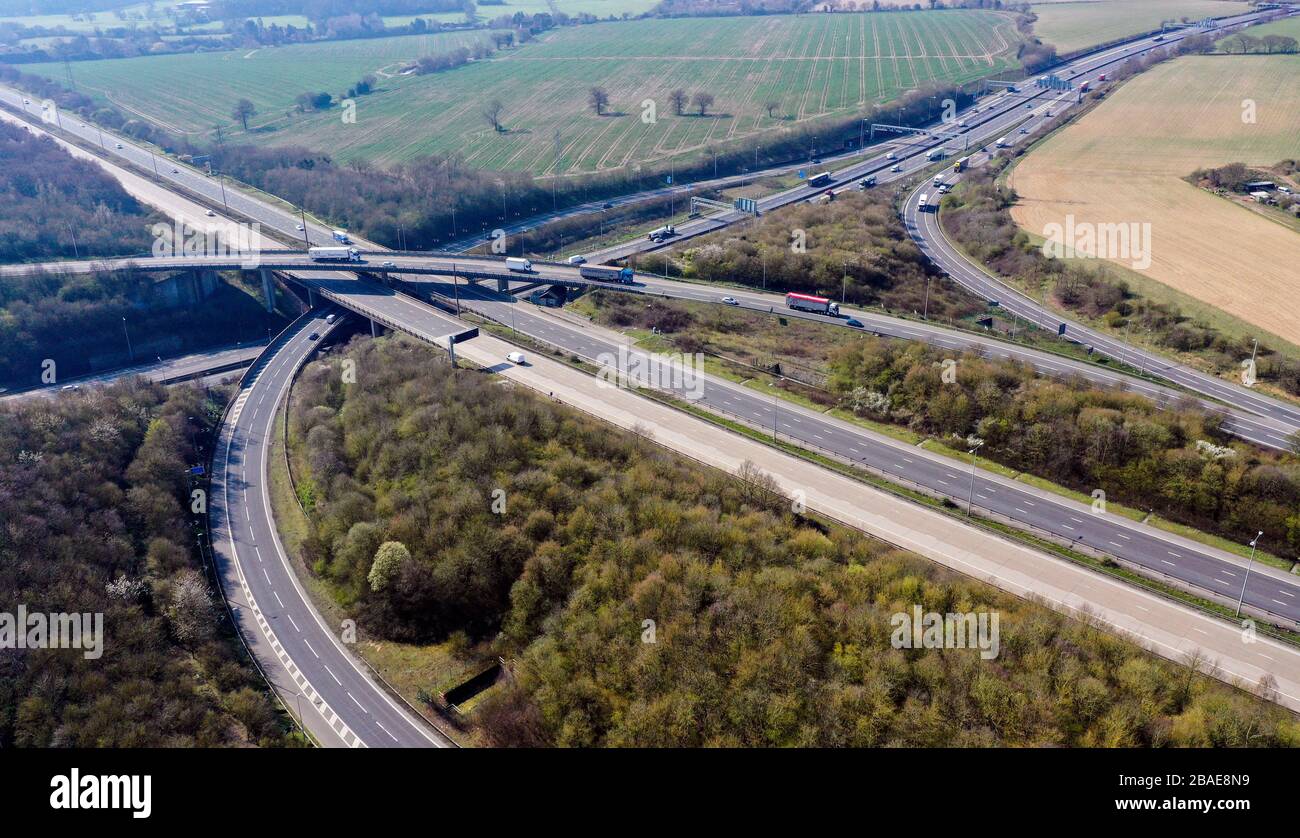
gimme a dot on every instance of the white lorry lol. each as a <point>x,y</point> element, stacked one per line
<point>520,266</point>
<point>334,254</point>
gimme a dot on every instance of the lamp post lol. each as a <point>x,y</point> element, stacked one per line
<point>1241,599</point>
<point>129,351</point>
<point>970,498</point>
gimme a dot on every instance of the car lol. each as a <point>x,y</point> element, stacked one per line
<point>577,260</point>
<point>68,388</point>
<point>27,101</point>
<point>891,156</point>
<point>730,301</point>
<point>1024,130</point>
<point>1048,112</point>
<point>330,318</point>
<point>313,336</point>
<point>854,322</point>
<point>895,168</point>
<point>388,264</point>
<point>119,145</point>
<point>517,358</point>
<point>210,214</point>
<point>607,205</point>
<point>1029,104</point>
<point>176,171</point>
<point>299,227</point>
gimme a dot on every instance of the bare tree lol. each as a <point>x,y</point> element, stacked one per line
<point>242,111</point>
<point>679,98</point>
<point>702,101</point>
<point>771,105</point>
<point>599,100</point>
<point>492,114</point>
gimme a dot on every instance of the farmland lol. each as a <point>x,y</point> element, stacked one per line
<point>812,66</point>
<point>1125,162</point>
<point>1072,26</point>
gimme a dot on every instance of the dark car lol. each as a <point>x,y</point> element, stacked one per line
<point>608,205</point>
<point>855,323</point>
<point>313,336</point>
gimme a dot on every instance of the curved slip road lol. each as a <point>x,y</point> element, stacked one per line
<point>306,662</point>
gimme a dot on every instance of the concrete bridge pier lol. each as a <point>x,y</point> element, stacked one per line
<point>375,329</point>
<point>503,285</point>
<point>268,289</point>
<point>311,297</point>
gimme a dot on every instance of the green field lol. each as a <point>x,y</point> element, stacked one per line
<point>1290,27</point>
<point>815,66</point>
<point>190,93</point>
<point>1071,26</point>
<point>139,15</point>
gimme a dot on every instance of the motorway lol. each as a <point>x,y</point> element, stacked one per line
<point>198,365</point>
<point>1246,424</point>
<point>357,710</point>
<point>1159,553</point>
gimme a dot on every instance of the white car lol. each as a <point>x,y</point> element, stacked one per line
<point>119,145</point>
<point>210,214</point>
<point>389,265</point>
<point>891,156</point>
<point>516,358</point>
<point>896,168</point>
<point>27,101</point>
<point>730,301</point>
<point>299,227</point>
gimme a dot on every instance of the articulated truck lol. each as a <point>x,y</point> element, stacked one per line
<point>334,254</point>
<point>807,302</point>
<point>606,273</point>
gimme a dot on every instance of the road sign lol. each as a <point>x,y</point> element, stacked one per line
<point>746,204</point>
<point>1060,330</point>
<point>802,174</point>
<point>197,471</point>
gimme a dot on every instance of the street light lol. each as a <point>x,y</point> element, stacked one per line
<point>1242,598</point>
<point>129,351</point>
<point>970,499</point>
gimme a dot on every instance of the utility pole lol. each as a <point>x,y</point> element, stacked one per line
<point>222,180</point>
<point>303,215</point>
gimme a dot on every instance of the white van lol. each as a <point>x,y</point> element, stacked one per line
<point>518,265</point>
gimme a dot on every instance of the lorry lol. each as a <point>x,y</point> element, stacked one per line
<point>927,203</point>
<point>334,254</point>
<point>807,302</point>
<point>960,165</point>
<point>1003,142</point>
<point>518,265</point>
<point>934,154</point>
<point>1083,87</point>
<point>819,179</point>
<point>661,233</point>
<point>341,236</point>
<point>606,273</point>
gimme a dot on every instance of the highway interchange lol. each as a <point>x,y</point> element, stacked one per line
<point>351,707</point>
